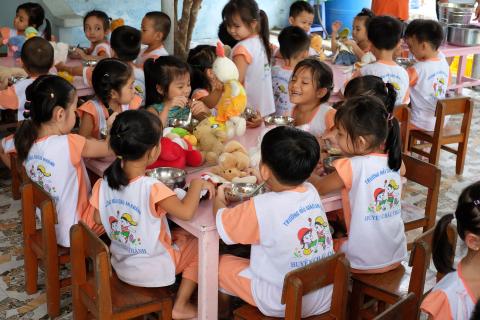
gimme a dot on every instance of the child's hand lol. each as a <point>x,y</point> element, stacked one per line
<point>255,122</point>
<point>179,101</point>
<point>350,42</point>
<point>220,196</point>
<point>80,53</point>
<point>336,26</point>
<point>110,120</point>
<point>207,185</point>
<point>198,107</point>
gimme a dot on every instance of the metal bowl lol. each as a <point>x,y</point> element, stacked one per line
<point>242,191</point>
<point>89,63</point>
<point>278,121</point>
<point>171,177</point>
<point>464,35</point>
<point>458,13</point>
<point>183,123</point>
<point>14,79</point>
<point>405,62</point>
<point>328,164</point>
<point>249,113</point>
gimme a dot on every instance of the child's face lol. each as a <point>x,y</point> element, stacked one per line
<point>304,21</point>
<point>149,34</point>
<point>301,88</point>
<point>94,30</point>
<point>127,92</point>
<point>20,22</point>
<point>359,32</point>
<point>418,49</point>
<point>346,144</point>
<point>180,87</point>
<point>238,29</point>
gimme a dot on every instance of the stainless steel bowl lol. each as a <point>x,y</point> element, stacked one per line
<point>249,113</point>
<point>89,63</point>
<point>328,163</point>
<point>183,123</point>
<point>171,177</point>
<point>242,191</point>
<point>278,121</point>
<point>464,35</point>
<point>456,13</point>
<point>14,79</point>
<point>405,62</point>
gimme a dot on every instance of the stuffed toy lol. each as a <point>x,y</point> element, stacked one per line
<point>344,55</point>
<point>116,23</point>
<point>6,73</point>
<point>316,42</point>
<point>16,43</point>
<point>233,100</point>
<point>233,164</point>
<point>210,136</point>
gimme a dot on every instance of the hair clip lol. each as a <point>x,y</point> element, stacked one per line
<point>120,157</point>
<point>106,75</point>
<point>476,202</point>
<point>26,114</point>
<point>390,117</point>
<point>52,95</point>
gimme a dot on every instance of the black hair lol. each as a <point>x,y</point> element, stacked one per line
<point>367,15</point>
<point>42,96</point>
<point>224,36</point>
<point>161,22</point>
<point>293,40</point>
<point>37,55</point>
<point>425,31</point>
<point>367,116</point>
<point>476,311</point>
<point>290,153</point>
<point>298,7</point>
<point>468,220</point>
<point>249,12</point>
<point>322,74</point>
<point>161,72</point>
<point>126,42</point>
<point>100,15</point>
<point>373,85</point>
<point>200,59</point>
<point>133,133</point>
<point>385,32</point>
<point>36,16</point>
<point>110,74</point>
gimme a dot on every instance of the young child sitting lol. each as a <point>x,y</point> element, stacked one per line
<point>155,29</point>
<point>455,296</point>
<point>301,15</point>
<point>168,90</point>
<point>132,208</point>
<point>294,44</point>
<point>430,75</point>
<point>113,82</point>
<point>368,135</point>
<point>371,85</point>
<point>52,156</point>
<point>282,240</point>
<point>309,90</point>
<point>96,25</point>
<point>384,33</point>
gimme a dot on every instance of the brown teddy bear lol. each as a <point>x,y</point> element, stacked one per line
<point>210,137</point>
<point>233,164</point>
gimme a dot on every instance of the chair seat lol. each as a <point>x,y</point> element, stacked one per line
<point>447,132</point>
<point>251,313</point>
<point>413,217</point>
<point>37,246</point>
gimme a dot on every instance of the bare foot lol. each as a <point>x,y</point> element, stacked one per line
<point>186,311</point>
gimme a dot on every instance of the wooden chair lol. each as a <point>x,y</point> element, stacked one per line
<point>428,176</point>
<point>439,138</point>
<point>334,269</point>
<point>18,174</point>
<point>403,309</point>
<point>402,114</point>
<point>98,293</point>
<point>391,286</point>
<point>41,244</point>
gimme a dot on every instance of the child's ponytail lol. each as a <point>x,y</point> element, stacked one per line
<point>110,74</point>
<point>265,35</point>
<point>47,33</point>
<point>36,16</point>
<point>442,251</point>
<point>393,144</point>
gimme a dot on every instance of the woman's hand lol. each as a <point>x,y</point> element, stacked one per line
<point>255,122</point>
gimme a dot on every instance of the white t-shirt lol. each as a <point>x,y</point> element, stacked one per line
<point>142,56</point>
<point>321,122</point>
<point>14,97</point>
<point>258,76</point>
<point>280,79</point>
<point>102,47</point>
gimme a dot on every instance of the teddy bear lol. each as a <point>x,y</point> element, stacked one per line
<point>233,164</point>
<point>210,135</point>
<point>6,73</point>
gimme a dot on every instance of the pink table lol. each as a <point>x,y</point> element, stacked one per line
<point>82,89</point>
<point>462,52</point>
<point>203,227</point>
<point>341,74</point>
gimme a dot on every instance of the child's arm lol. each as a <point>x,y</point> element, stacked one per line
<point>328,183</point>
<point>220,201</point>
<point>96,149</point>
<point>73,70</point>
<point>242,65</point>
<point>96,217</point>
<point>101,55</point>
<point>86,125</point>
<point>335,27</point>
<point>185,209</point>
<point>214,96</point>
<point>5,157</point>
<point>355,48</point>
<point>199,109</point>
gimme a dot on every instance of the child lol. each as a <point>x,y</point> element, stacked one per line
<point>168,87</point>
<point>282,239</point>
<point>37,59</point>
<point>28,14</point>
<point>249,25</point>
<point>301,15</point>
<point>368,135</point>
<point>205,85</point>
<point>309,90</point>
<point>360,44</point>
<point>155,29</point>
<point>294,44</point>
<point>52,156</point>
<point>112,82</point>
<point>384,33</point>
<point>96,25</point>
<point>371,85</point>
<point>132,208</point>
<point>455,296</point>
<point>430,75</point>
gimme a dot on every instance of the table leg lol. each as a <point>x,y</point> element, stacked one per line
<point>462,65</point>
<point>208,275</point>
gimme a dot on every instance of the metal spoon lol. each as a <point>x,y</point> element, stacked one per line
<point>260,186</point>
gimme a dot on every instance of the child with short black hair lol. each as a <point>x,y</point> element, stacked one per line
<point>294,46</point>
<point>155,29</point>
<point>96,25</point>
<point>28,14</point>
<point>282,240</point>
<point>371,85</point>
<point>430,75</point>
<point>384,34</point>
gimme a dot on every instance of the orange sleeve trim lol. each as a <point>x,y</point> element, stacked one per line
<point>88,72</point>
<point>412,76</point>
<point>158,193</point>
<point>95,197</point>
<point>135,103</point>
<point>87,107</point>
<point>344,170</point>
<point>239,224</point>
<point>436,304</point>
<point>242,51</point>
<point>330,119</point>
<point>76,144</point>
<point>199,94</point>
<point>9,98</point>
<point>5,31</point>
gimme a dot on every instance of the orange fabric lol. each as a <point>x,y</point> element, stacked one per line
<point>88,75</point>
<point>330,119</point>
<point>199,94</point>
<point>242,51</point>
<point>5,31</point>
<point>230,280</point>
<point>412,75</point>
<point>135,103</point>
<point>437,306</point>
<point>186,257</point>
<point>89,108</point>
<point>9,98</point>
<point>241,223</point>
<point>344,170</point>
<point>394,8</point>
<point>158,193</point>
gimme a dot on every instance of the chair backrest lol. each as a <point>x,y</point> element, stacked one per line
<point>403,309</point>
<point>403,115</point>
<point>427,175</point>
<point>332,270</point>
<point>452,106</point>
<point>87,249</point>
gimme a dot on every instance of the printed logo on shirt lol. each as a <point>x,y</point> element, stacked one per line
<point>315,236</point>
<point>39,174</point>
<point>440,87</point>
<point>386,201</point>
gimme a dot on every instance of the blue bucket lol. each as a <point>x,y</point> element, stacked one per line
<point>344,11</point>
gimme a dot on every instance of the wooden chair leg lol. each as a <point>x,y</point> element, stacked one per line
<point>52,284</point>
<point>15,180</point>
<point>434,154</point>
<point>356,300</point>
<point>461,155</point>
<point>166,313</point>
<point>31,270</point>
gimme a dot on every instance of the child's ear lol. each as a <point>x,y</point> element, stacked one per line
<point>154,153</point>
<point>114,95</point>
<point>58,113</point>
<point>265,171</point>
<point>362,142</point>
<point>159,89</point>
<point>321,92</point>
<point>159,35</point>
<point>291,20</point>
<point>472,241</point>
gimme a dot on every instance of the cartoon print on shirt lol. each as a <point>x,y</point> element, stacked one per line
<point>392,191</point>
<point>320,226</point>
<point>127,232</point>
<point>440,87</point>
<point>115,226</point>
<point>385,198</point>
<point>43,178</point>
<point>305,236</point>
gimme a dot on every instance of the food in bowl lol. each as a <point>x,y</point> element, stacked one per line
<point>171,177</point>
<point>236,192</point>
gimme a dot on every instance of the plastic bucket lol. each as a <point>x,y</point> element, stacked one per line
<point>344,11</point>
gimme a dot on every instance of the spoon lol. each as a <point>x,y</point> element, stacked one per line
<point>257,188</point>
